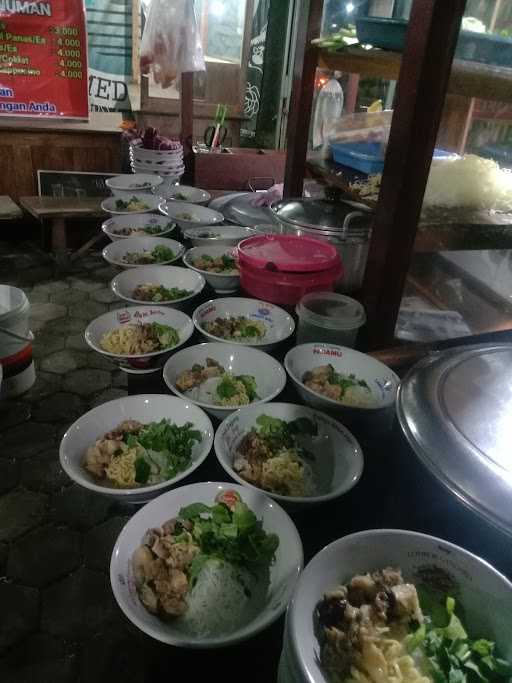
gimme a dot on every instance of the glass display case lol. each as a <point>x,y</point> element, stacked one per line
<point>454,278</point>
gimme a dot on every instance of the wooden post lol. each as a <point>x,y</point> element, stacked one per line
<point>136,38</point>
<point>301,100</point>
<point>430,45</point>
<point>187,122</point>
<point>351,94</point>
<point>246,51</point>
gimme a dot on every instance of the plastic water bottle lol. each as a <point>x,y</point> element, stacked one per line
<point>328,109</point>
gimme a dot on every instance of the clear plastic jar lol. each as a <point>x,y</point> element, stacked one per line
<point>330,318</point>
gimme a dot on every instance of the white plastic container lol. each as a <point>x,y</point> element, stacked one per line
<point>330,318</point>
<point>15,342</point>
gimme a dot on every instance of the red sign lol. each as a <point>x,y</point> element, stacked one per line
<point>43,59</point>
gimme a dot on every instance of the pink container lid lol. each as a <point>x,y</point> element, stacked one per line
<point>288,253</point>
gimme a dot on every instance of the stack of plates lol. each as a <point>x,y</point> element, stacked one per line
<point>165,163</point>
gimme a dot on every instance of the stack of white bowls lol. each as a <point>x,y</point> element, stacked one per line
<point>166,163</point>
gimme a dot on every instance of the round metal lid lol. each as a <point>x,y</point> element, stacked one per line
<point>455,408</point>
<point>240,210</point>
<point>322,214</point>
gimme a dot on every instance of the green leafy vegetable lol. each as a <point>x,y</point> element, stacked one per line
<point>271,426</point>
<point>235,536</point>
<point>142,470</point>
<point>274,427</point>
<point>250,386</point>
<point>162,253</point>
<point>193,510</point>
<point>227,387</point>
<point>249,330</point>
<point>164,294</point>
<point>228,262</point>
<point>168,447</point>
<point>451,655</point>
<point>280,435</point>
<point>167,336</point>
<point>345,381</point>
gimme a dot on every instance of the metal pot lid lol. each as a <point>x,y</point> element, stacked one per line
<point>240,211</point>
<point>321,214</point>
<point>455,408</point>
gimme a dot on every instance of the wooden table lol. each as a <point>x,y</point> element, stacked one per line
<point>56,211</point>
<point>9,210</point>
<point>395,491</point>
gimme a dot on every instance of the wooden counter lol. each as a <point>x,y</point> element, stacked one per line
<point>29,145</point>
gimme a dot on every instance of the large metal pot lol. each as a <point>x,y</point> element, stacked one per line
<point>346,225</point>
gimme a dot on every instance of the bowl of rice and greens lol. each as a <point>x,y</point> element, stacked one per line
<point>342,381</point>
<point>223,377</point>
<point>206,565</point>
<point>135,447</point>
<point>294,454</point>
<point>218,266</point>
<point>143,251</point>
<point>226,235</point>
<point>249,322</point>
<point>132,204</point>
<point>139,225</point>
<point>139,339</point>
<point>162,285</point>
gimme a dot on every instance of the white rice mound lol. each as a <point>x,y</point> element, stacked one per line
<point>218,603</point>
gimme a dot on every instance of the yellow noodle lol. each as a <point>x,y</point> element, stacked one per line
<point>128,340</point>
<point>385,660</point>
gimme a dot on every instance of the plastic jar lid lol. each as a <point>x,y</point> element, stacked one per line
<point>330,310</point>
<point>288,253</point>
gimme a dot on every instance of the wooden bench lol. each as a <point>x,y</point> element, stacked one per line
<point>9,210</point>
<point>55,212</point>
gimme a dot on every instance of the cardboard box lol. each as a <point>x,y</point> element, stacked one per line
<point>234,170</point>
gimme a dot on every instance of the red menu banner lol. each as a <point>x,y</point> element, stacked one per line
<point>43,59</point>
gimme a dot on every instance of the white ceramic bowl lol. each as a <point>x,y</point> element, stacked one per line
<point>128,183</point>
<point>484,595</point>
<point>175,166</point>
<point>238,360</point>
<point>140,221</point>
<point>145,408</point>
<point>172,174</point>
<point>136,315</point>
<point>338,461</point>
<point>151,201</point>
<point>184,193</point>
<point>227,235</point>
<point>283,573</point>
<point>169,177</point>
<point>382,381</point>
<point>138,150</point>
<point>115,251</point>
<point>168,276</point>
<point>199,215</point>
<point>222,283</point>
<point>279,325</point>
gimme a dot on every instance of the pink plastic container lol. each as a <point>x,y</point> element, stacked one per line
<point>282,268</point>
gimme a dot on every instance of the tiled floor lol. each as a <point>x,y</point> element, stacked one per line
<point>59,622</point>
<point>58,619</point>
